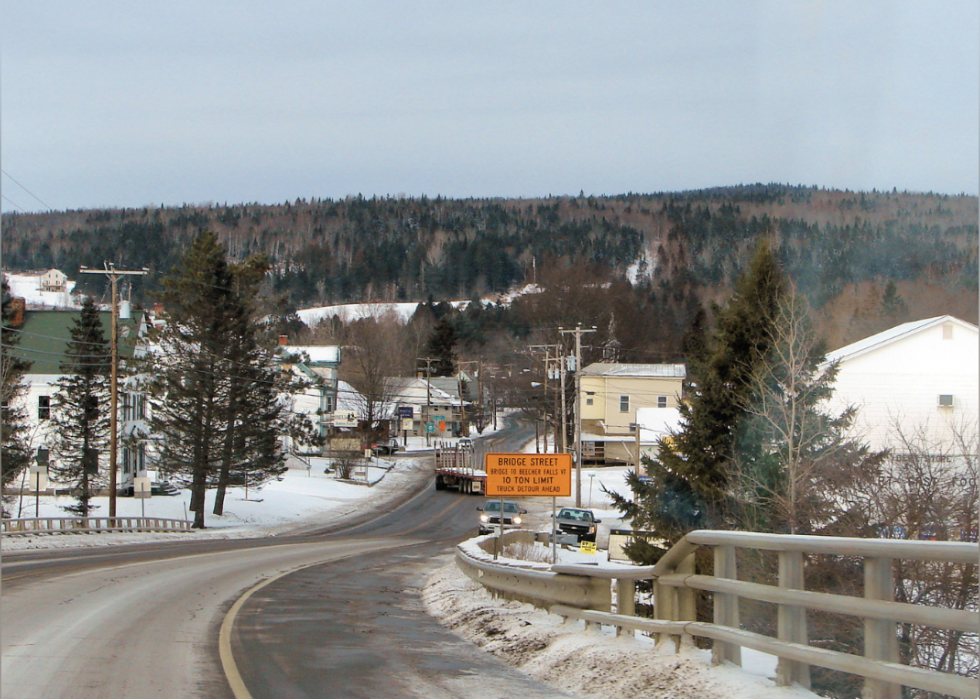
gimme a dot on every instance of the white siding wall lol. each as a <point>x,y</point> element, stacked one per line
<point>900,383</point>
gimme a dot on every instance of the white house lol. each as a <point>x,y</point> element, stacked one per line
<point>920,376</point>
<point>43,338</point>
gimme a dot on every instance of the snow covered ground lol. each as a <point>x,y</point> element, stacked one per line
<point>28,287</point>
<point>302,498</point>
<point>591,663</point>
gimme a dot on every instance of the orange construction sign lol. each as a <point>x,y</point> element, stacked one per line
<point>529,475</point>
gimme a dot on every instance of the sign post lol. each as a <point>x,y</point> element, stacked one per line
<point>142,489</point>
<point>530,475</point>
<point>39,481</point>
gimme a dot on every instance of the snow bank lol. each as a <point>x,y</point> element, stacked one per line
<point>589,663</point>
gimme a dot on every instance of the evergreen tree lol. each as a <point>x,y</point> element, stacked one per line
<point>217,399</point>
<point>81,413</point>
<point>14,441</point>
<point>188,391</point>
<point>690,478</point>
<point>254,415</point>
<point>442,346</point>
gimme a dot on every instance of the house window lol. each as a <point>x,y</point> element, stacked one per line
<point>44,407</point>
<point>624,404</point>
<point>947,331</point>
<point>661,401</point>
<point>588,401</point>
<point>945,400</point>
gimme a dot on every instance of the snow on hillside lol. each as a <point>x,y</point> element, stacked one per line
<point>28,287</point>
<point>404,311</point>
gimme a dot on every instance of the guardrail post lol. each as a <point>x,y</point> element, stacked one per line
<point>686,597</point>
<point>625,601</point>
<point>664,607</point>
<point>726,607</point>
<point>791,624</point>
<point>880,638</point>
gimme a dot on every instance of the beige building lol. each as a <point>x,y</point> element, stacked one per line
<point>53,280</point>
<point>611,395</point>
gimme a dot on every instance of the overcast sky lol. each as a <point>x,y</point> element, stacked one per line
<point>133,103</point>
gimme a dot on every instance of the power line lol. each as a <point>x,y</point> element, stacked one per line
<point>16,205</point>
<point>26,190</point>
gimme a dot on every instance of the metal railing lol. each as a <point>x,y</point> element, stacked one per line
<point>572,592</point>
<point>91,525</point>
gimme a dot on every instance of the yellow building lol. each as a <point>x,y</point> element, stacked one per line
<point>611,394</point>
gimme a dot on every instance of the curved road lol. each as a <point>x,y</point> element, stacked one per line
<point>341,616</point>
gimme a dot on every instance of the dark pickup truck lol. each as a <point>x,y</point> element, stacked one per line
<point>578,522</point>
<point>385,447</point>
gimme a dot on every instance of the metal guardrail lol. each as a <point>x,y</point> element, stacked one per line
<point>91,525</point>
<point>675,583</point>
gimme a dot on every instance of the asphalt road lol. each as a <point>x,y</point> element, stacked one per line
<point>340,617</point>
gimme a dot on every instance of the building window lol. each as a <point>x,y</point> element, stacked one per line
<point>588,401</point>
<point>44,407</point>
<point>945,400</point>
<point>661,401</point>
<point>947,331</point>
<point>624,404</point>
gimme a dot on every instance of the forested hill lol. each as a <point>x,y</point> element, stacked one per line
<point>393,249</point>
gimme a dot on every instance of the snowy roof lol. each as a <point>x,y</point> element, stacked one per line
<point>316,353</point>
<point>658,420</point>
<point>886,337</point>
<point>660,371</point>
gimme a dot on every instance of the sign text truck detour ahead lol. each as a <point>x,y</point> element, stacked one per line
<point>529,475</point>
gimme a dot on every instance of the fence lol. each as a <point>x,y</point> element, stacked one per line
<point>584,592</point>
<point>91,525</point>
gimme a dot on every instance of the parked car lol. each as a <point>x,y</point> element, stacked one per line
<point>578,522</point>
<point>490,515</point>
<point>385,447</point>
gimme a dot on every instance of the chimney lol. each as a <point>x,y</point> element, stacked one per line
<point>17,306</point>
<point>283,340</point>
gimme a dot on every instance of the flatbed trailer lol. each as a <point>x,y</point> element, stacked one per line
<point>455,468</point>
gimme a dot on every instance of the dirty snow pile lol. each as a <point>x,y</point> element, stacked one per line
<point>590,663</point>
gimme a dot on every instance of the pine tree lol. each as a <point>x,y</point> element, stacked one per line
<point>14,441</point>
<point>188,389</point>
<point>690,484</point>
<point>216,400</point>
<point>442,346</point>
<point>81,410</point>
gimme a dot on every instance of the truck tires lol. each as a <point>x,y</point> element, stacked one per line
<point>440,484</point>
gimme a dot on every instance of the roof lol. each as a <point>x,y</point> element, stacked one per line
<point>886,337</point>
<point>44,337</point>
<point>327,354</point>
<point>652,371</point>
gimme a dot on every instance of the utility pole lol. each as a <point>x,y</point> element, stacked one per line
<point>428,394</point>
<point>547,360</point>
<point>578,332</point>
<point>459,382</point>
<point>114,276</point>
